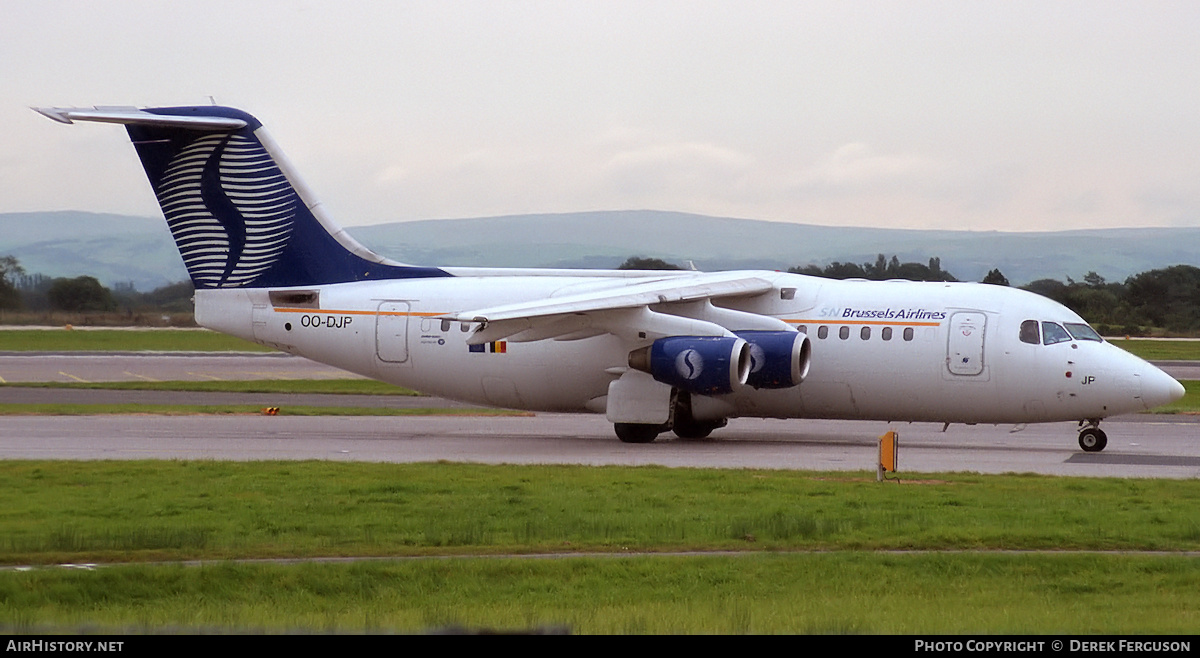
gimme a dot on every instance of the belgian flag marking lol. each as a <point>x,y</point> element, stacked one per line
<point>494,347</point>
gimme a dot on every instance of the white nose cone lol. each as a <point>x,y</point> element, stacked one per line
<point>1159,388</point>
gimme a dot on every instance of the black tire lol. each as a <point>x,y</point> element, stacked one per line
<point>1093,439</point>
<point>694,431</point>
<point>636,432</point>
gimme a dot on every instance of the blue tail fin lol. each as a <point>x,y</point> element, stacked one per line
<point>238,213</point>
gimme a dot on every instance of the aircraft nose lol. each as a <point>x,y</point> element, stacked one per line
<point>1159,388</point>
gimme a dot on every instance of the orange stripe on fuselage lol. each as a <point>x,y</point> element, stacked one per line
<point>337,312</point>
<point>285,309</point>
<point>878,322</point>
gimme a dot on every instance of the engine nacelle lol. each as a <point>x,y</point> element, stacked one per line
<point>706,365</point>
<point>778,359</point>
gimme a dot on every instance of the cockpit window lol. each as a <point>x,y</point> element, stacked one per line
<point>1082,331</point>
<point>1053,333</point>
<point>1029,332</point>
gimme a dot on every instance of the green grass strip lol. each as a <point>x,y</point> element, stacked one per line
<point>54,409</point>
<point>836,593</point>
<point>330,386</point>
<point>1161,350</point>
<point>57,511</point>
<point>121,340</point>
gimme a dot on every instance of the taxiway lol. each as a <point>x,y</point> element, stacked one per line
<point>1139,446</point>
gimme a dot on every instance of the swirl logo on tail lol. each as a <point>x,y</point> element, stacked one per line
<point>229,207</point>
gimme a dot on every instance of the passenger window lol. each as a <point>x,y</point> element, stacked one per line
<point>886,334</point>
<point>908,333</point>
<point>865,333</point>
<point>844,333</point>
<point>1029,332</point>
<point>803,329</point>
<point>1052,333</point>
<point>464,326</point>
<point>445,325</point>
<point>823,332</point>
<point>1083,332</point>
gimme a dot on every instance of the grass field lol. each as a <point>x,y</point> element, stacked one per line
<point>1161,350</point>
<point>140,511</point>
<point>329,386</point>
<point>55,409</point>
<point>122,340</point>
<point>73,511</point>
<point>809,552</point>
<point>820,593</point>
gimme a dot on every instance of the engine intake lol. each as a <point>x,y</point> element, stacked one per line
<point>706,365</point>
<point>778,359</point>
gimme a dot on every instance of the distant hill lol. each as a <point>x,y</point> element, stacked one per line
<point>112,248</point>
<point>605,239</point>
<point>117,248</point>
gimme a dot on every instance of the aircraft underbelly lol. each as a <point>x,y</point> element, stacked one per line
<point>538,376</point>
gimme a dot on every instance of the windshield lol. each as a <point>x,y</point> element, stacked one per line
<point>1052,333</point>
<point>1082,331</point>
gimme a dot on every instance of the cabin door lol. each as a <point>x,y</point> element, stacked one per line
<point>964,349</point>
<point>391,332</point>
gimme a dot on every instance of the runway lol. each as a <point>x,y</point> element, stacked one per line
<point>1139,446</point>
<point>17,367</point>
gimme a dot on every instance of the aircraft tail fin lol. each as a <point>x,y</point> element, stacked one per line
<point>240,215</point>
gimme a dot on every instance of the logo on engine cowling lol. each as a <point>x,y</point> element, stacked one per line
<point>758,357</point>
<point>689,364</point>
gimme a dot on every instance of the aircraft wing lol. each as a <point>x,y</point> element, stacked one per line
<point>685,302</point>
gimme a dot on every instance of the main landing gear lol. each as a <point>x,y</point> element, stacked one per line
<point>1091,437</point>
<point>681,422</point>
<point>645,433</point>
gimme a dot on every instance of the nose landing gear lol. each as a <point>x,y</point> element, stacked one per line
<point>1091,437</point>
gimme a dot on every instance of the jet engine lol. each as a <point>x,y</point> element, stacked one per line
<point>706,365</point>
<point>778,359</point>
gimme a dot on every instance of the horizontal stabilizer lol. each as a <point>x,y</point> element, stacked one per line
<point>133,116</point>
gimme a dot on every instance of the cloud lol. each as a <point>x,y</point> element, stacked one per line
<point>675,169</point>
<point>1171,206</point>
<point>856,168</point>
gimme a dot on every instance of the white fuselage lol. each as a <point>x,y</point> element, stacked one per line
<point>651,350</point>
<point>894,350</point>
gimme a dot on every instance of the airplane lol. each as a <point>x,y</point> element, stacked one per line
<point>654,351</point>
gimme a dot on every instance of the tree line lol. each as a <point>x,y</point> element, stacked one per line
<point>881,270</point>
<point>83,294</point>
<point>1167,299</point>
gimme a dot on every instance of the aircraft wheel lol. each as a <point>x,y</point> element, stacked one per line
<point>636,432</point>
<point>694,431</point>
<point>1093,439</point>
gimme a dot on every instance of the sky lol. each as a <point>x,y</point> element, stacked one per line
<point>1010,116</point>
